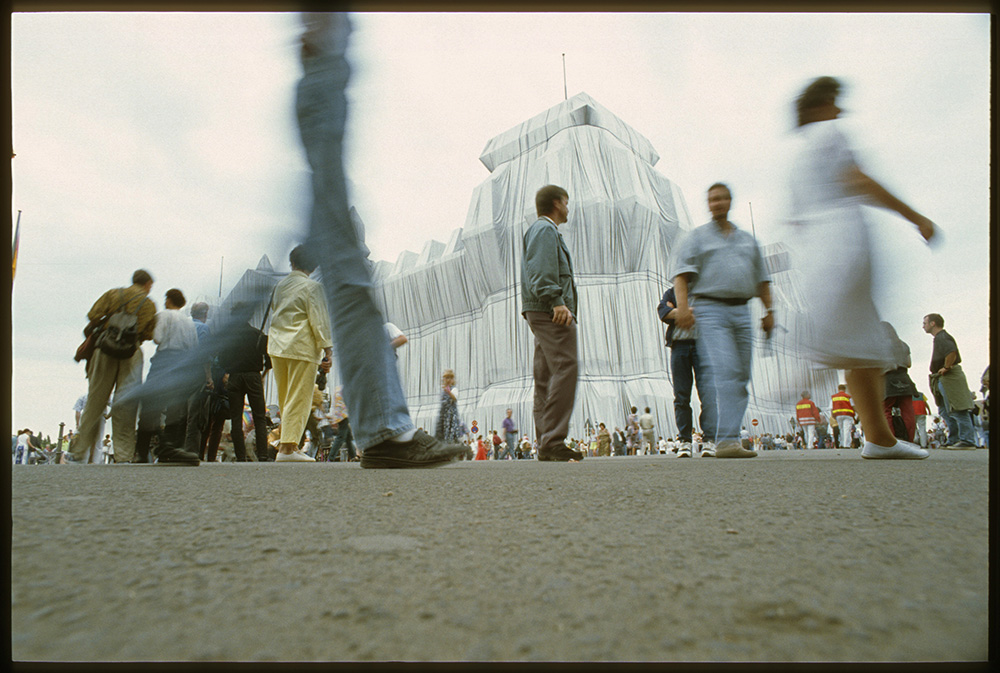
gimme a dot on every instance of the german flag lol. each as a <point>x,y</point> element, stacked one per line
<point>17,240</point>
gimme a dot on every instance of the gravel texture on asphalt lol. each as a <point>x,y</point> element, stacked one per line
<point>791,556</point>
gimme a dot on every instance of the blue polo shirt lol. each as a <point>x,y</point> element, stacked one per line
<point>725,267</point>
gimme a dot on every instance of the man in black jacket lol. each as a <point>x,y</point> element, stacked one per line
<point>245,361</point>
<point>685,369</point>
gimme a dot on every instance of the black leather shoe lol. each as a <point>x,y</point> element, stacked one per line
<point>421,451</point>
<point>563,455</point>
<point>176,457</point>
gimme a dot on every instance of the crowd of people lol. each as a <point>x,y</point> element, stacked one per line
<point>200,378</point>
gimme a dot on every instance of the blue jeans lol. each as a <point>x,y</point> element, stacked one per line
<point>511,443</point>
<point>686,368</point>
<point>959,422</point>
<point>724,343</point>
<point>372,391</point>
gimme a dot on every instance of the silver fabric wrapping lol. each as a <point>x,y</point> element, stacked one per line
<point>458,302</point>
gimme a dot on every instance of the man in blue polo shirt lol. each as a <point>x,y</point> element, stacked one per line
<point>717,269</point>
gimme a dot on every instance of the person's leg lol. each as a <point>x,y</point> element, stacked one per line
<point>372,390</point>
<point>258,410</point>
<point>867,387</point>
<point>921,422</point>
<point>214,435</point>
<point>724,343</point>
<point>948,416</point>
<point>237,390</point>
<point>101,373</point>
<point>125,407</point>
<point>909,420</point>
<point>298,402</point>
<point>541,375</point>
<point>706,395</point>
<point>197,419</point>
<point>559,347</point>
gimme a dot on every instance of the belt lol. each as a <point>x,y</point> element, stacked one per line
<point>731,301</point>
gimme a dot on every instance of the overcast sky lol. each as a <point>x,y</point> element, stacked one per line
<point>168,142</point>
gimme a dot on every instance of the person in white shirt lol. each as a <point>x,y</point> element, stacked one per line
<point>170,382</point>
<point>396,337</point>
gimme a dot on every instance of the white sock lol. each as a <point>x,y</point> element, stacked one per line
<point>405,437</point>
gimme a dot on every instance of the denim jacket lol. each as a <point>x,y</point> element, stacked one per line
<point>546,270</point>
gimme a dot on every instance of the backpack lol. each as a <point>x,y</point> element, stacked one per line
<point>119,338</point>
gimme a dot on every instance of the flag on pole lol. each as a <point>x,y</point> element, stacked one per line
<point>17,239</point>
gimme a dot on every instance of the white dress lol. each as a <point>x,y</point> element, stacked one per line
<point>830,251</point>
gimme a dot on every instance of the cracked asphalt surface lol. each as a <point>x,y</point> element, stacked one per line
<point>791,556</point>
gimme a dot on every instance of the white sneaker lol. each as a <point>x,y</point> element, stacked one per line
<point>708,450</point>
<point>684,450</point>
<point>901,450</point>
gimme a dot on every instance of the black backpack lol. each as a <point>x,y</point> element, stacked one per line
<point>119,337</point>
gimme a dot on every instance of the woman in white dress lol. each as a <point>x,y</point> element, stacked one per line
<point>830,241</point>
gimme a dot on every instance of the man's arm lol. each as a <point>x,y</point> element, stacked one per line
<point>683,316</point>
<point>764,291</point>
<point>949,362</point>
<point>542,268</point>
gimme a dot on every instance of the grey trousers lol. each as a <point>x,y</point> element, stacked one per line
<point>555,372</point>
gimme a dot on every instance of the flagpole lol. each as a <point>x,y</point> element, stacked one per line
<point>565,90</point>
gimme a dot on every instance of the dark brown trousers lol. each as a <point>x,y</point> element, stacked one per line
<point>555,372</point>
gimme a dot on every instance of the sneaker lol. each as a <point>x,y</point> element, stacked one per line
<point>421,451</point>
<point>708,450</point>
<point>176,457</point>
<point>293,457</point>
<point>684,450</point>
<point>731,448</point>
<point>959,446</point>
<point>901,450</point>
<point>68,459</point>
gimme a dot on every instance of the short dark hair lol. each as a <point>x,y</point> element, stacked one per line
<point>176,297</point>
<point>935,318</point>
<point>721,185</point>
<point>546,197</point>
<point>647,410</point>
<point>820,91</point>
<point>634,410</point>
<point>199,310</point>
<point>141,277</point>
<point>301,258</point>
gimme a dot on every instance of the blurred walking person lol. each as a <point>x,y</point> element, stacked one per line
<point>172,378</point>
<point>717,270</point>
<point>380,418</point>
<point>830,242</point>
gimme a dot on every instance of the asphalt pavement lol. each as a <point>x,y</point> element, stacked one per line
<point>790,556</point>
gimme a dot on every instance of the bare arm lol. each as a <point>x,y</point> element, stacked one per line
<point>767,322</point>
<point>859,183</point>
